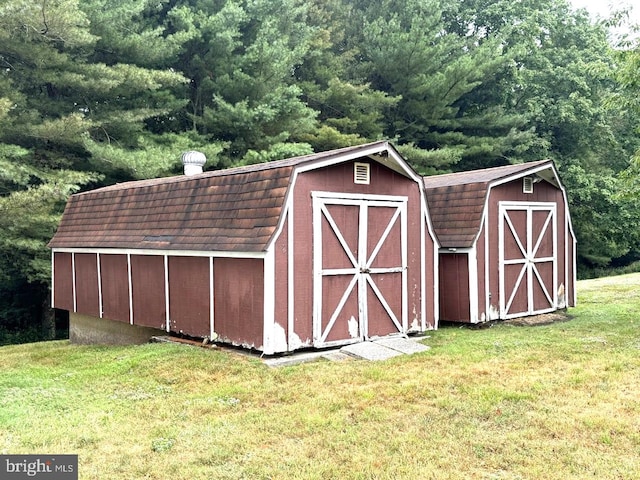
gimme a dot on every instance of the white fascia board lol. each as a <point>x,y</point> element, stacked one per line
<point>399,162</point>
<point>170,253</point>
<point>526,173</point>
<point>347,156</point>
<point>424,207</point>
<point>406,168</point>
<point>427,215</point>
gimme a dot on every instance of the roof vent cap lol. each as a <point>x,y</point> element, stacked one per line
<point>193,162</point>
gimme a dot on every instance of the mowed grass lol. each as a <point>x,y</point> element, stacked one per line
<point>559,401</point>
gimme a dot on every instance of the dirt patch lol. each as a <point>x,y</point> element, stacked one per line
<point>534,320</point>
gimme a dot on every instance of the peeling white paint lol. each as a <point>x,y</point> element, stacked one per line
<point>483,317</point>
<point>415,325</point>
<point>353,328</point>
<point>295,342</point>
<point>279,338</point>
<point>494,313</point>
<point>250,346</point>
<point>562,301</point>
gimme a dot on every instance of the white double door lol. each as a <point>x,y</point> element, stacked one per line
<point>360,267</point>
<point>528,245</point>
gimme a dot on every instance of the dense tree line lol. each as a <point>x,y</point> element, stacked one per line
<point>98,91</point>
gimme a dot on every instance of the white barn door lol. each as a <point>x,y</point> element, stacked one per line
<point>528,258</point>
<point>360,267</point>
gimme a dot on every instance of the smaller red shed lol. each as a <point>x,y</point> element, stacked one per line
<point>507,247</point>
<point>325,249</point>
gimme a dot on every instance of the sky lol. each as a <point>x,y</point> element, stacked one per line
<point>604,7</point>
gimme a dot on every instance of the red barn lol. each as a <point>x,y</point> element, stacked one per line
<point>507,248</point>
<point>320,250</point>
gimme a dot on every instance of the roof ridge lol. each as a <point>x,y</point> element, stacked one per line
<point>492,169</point>
<point>235,170</point>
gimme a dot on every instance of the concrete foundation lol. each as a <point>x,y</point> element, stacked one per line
<point>88,330</point>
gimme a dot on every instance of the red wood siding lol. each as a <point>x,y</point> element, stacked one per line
<point>63,281</point>
<point>87,295</point>
<point>115,287</point>
<point>189,293</point>
<point>239,300</point>
<point>454,287</point>
<point>333,288</point>
<point>339,178</point>
<point>147,279</point>
<point>379,322</point>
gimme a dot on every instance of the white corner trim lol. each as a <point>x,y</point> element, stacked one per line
<point>99,271</point>
<point>166,293</point>
<point>211,301</point>
<point>130,286</point>
<point>472,258</point>
<point>73,282</point>
<point>290,278</point>
<point>53,279</point>
<point>268,263</point>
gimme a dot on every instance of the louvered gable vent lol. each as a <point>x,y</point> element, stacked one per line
<point>361,173</point>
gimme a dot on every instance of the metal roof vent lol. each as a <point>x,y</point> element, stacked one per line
<point>193,162</point>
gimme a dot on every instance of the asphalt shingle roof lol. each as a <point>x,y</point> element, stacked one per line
<point>456,201</point>
<point>236,209</point>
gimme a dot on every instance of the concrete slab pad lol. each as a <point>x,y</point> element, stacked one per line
<point>370,351</point>
<point>294,359</point>
<point>337,356</point>
<point>402,345</point>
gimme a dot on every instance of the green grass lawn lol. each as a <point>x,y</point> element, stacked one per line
<point>559,401</point>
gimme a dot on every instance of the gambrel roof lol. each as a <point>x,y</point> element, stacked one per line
<point>233,210</point>
<point>457,200</point>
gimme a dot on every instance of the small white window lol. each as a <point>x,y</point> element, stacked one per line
<point>361,173</point>
<point>527,185</point>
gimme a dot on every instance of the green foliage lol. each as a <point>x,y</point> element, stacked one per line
<point>94,92</point>
<point>607,223</point>
<point>57,100</point>
<point>153,156</point>
<point>628,99</point>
